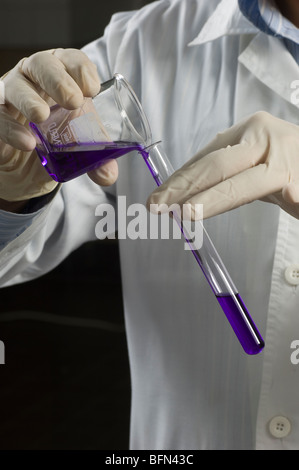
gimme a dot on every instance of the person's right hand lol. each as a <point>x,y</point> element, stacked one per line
<point>62,76</point>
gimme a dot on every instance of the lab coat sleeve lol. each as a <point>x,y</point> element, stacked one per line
<point>63,225</point>
<point>122,44</point>
<point>103,51</point>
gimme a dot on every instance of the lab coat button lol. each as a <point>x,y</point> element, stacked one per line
<point>279,427</point>
<point>292,274</point>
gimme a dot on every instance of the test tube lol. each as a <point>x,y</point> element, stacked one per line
<point>210,263</point>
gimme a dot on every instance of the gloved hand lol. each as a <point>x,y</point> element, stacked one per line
<point>255,159</point>
<point>60,76</point>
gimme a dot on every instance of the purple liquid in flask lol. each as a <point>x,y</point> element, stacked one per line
<point>66,162</point>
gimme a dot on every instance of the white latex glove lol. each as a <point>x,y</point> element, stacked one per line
<point>255,159</point>
<point>62,76</point>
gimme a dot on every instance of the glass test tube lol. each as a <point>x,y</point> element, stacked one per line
<point>210,262</point>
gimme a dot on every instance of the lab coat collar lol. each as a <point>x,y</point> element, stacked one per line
<point>261,55</point>
<point>227,19</point>
<point>267,58</point>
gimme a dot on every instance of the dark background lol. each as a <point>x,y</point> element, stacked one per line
<point>65,383</point>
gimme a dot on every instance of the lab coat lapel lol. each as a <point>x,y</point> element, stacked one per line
<point>226,20</point>
<point>267,59</point>
<point>260,56</point>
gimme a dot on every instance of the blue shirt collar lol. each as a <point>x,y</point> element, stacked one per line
<point>267,18</point>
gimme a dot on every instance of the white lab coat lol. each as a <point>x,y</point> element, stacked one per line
<point>197,69</point>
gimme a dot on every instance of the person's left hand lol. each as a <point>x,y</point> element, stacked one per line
<point>255,159</point>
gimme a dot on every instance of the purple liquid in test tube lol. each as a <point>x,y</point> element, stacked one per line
<point>211,265</point>
<point>241,322</point>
